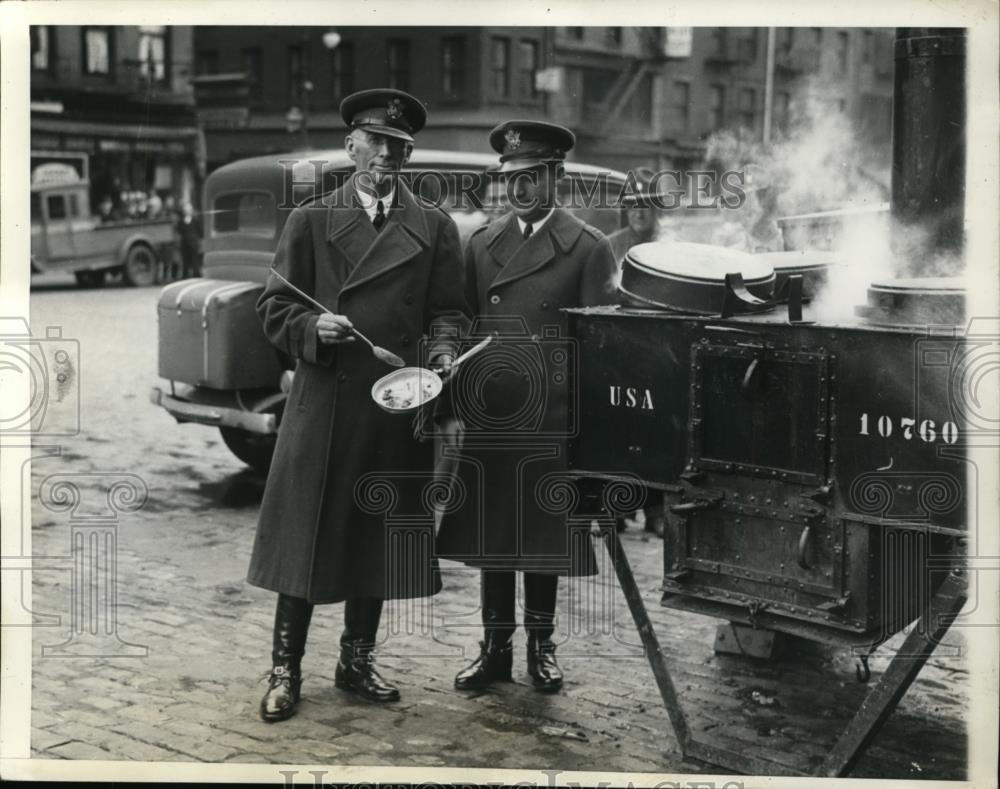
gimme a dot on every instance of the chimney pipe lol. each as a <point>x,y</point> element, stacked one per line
<point>928,146</point>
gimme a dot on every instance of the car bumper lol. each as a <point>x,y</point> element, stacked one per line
<point>213,414</point>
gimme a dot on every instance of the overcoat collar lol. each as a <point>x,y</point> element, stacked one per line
<point>518,257</point>
<point>371,253</point>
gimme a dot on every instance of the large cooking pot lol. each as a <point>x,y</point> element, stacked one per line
<point>685,277</point>
<point>813,265</point>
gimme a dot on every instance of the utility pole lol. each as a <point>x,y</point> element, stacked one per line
<point>769,86</point>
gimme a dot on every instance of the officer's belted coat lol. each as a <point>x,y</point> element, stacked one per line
<point>510,507</point>
<point>345,510</point>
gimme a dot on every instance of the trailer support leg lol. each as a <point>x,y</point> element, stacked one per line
<point>661,672</point>
<point>898,676</point>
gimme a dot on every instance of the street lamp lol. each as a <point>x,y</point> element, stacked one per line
<point>296,118</point>
<point>331,38</point>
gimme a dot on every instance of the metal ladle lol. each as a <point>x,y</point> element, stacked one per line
<point>379,352</point>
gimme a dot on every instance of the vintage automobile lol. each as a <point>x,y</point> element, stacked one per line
<point>222,371</point>
<point>66,236</point>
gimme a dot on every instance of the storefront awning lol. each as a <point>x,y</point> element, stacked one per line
<point>128,131</point>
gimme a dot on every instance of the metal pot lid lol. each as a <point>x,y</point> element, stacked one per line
<point>915,285</point>
<point>799,260</point>
<point>703,263</point>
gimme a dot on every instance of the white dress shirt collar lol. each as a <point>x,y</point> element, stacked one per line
<point>370,203</point>
<point>536,225</point>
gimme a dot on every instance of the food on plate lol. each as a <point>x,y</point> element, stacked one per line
<point>408,391</point>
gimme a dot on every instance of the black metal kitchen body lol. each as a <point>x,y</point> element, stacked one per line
<point>815,472</point>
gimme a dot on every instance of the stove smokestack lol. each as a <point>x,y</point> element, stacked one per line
<point>928,145</point>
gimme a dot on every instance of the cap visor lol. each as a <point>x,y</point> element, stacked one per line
<point>514,165</point>
<point>388,131</point>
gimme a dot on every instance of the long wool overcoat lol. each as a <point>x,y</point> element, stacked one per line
<point>510,509</point>
<point>345,510</point>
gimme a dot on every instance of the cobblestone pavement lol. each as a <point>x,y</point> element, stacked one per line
<point>181,562</point>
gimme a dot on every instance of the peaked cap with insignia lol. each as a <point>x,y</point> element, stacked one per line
<point>393,113</point>
<point>526,144</point>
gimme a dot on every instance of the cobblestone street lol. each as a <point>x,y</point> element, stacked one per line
<point>181,562</point>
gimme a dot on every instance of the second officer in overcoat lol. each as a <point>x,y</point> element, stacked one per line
<point>509,510</point>
<point>384,262</point>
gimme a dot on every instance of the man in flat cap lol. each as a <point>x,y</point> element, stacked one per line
<point>521,270</point>
<point>388,264</point>
<point>641,215</point>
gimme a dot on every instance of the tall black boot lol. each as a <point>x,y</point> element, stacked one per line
<point>539,622</point>
<point>291,626</point>
<point>496,655</point>
<point>356,667</point>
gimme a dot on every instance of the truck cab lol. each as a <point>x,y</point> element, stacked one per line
<point>67,236</point>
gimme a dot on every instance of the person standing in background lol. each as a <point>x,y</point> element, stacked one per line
<point>189,240</point>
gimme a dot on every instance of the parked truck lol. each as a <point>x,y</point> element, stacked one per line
<point>66,236</point>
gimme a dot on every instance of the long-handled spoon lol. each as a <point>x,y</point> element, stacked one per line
<point>380,353</point>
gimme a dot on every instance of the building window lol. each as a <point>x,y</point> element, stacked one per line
<point>97,50</point>
<point>614,37</point>
<point>342,72</point>
<point>716,106</point>
<point>153,53</point>
<point>41,47</point>
<point>868,47</point>
<point>681,105</point>
<point>298,75</point>
<point>576,33</point>
<point>499,67</point>
<point>253,68</point>
<point>785,38</point>
<point>843,49</point>
<point>527,67</point>
<point>718,41</point>
<point>748,46</point>
<point>453,67</point>
<point>206,61</point>
<point>397,53</point>
<point>748,108</point>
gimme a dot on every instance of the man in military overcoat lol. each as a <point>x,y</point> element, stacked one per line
<point>508,513</point>
<point>387,263</point>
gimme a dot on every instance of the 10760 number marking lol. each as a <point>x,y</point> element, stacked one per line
<point>927,431</point>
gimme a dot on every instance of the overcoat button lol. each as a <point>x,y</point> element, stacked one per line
<point>494,299</point>
<point>404,340</point>
<point>545,305</point>
<point>342,377</point>
<point>408,298</point>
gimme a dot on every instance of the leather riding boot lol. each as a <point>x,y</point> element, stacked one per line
<point>539,622</point>
<point>356,668</point>
<point>291,626</point>
<point>496,654</point>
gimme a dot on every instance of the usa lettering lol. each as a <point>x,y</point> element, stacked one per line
<point>634,398</point>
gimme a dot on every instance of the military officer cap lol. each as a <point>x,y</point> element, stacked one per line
<point>526,144</point>
<point>393,113</point>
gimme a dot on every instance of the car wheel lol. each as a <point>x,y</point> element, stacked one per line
<point>140,267</point>
<point>89,279</point>
<point>254,449</point>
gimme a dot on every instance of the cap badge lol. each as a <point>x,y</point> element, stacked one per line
<point>513,139</point>
<point>394,111</point>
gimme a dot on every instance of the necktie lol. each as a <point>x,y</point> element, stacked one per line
<point>379,218</point>
<point>528,230</point>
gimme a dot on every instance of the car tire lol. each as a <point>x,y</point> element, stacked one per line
<point>89,279</point>
<point>254,449</point>
<point>139,269</point>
